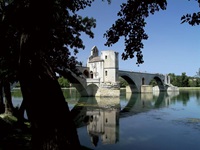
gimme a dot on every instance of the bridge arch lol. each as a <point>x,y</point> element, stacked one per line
<point>133,86</point>
<point>159,81</point>
<point>78,82</point>
<point>92,89</point>
<point>136,80</point>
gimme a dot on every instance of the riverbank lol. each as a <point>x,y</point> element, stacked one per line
<point>189,88</point>
<point>13,136</point>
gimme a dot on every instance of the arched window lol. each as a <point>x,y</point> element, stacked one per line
<point>143,81</point>
<point>86,73</point>
<point>91,74</point>
<point>106,73</point>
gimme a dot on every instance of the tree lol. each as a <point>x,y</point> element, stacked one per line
<point>63,82</point>
<point>9,109</point>
<point>194,82</point>
<point>173,79</point>
<point>1,100</point>
<point>198,73</point>
<point>44,41</point>
<point>192,19</point>
<point>130,25</point>
<point>153,83</point>
<point>184,80</point>
<point>122,82</point>
<point>180,80</point>
<point>8,61</point>
<point>47,34</point>
<point>198,82</point>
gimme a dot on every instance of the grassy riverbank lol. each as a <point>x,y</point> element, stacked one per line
<point>189,88</point>
<point>13,136</point>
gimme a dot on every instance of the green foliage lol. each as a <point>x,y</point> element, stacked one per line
<point>198,73</point>
<point>53,35</point>
<point>173,79</point>
<point>9,44</point>
<point>17,85</point>
<point>184,80</point>
<point>122,82</point>
<point>63,82</point>
<point>198,82</point>
<point>8,118</point>
<point>153,83</point>
<point>131,24</point>
<point>192,19</point>
<point>16,93</point>
<point>194,82</point>
<point>46,35</point>
<point>56,32</point>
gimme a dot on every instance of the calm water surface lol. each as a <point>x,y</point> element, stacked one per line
<point>158,121</point>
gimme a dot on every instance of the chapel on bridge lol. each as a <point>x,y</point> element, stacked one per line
<point>104,66</point>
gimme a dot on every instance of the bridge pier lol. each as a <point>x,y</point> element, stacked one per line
<point>108,92</point>
<point>143,89</point>
<point>146,89</point>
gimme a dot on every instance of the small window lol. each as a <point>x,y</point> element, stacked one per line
<point>105,56</point>
<point>91,74</point>
<point>106,73</point>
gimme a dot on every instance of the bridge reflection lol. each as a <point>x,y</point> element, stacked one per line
<point>101,114</point>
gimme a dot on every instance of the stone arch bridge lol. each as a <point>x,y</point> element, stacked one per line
<point>139,82</point>
<point>101,75</point>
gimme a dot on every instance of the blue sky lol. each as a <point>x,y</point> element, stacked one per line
<point>172,47</point>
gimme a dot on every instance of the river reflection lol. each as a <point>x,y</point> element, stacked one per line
<point>101,115</point>
<point>168,121</point>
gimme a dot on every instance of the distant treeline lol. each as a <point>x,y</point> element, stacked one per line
<point>184,81</point>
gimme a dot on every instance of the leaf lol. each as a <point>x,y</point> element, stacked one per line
<point>183,17</point>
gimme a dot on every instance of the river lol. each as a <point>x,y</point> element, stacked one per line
<point>152,121</point>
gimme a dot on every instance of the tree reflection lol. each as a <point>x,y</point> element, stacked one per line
<point>184,97</point>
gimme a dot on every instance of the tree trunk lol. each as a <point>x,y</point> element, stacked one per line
<point>51,123</point>
<point>9,109</point>
<point>2,107</point>
<point>20,113</point>
<point>47,110</point>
